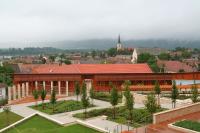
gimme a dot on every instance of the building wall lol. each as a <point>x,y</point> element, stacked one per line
<point>2,93</point>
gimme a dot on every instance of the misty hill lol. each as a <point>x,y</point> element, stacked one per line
<point>108,43</point>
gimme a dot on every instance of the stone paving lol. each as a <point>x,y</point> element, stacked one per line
<point>108,125</point>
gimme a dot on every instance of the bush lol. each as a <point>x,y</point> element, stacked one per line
<point>3,102</point>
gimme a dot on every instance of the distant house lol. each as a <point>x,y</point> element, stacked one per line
<point>2,91</point>
<point>175,66</point>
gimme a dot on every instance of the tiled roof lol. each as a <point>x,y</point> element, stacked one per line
<point>175,66</point>
<point>86,68</point>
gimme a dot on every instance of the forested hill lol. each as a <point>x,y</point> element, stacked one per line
<point>107,43</point>
<point>64,46</point>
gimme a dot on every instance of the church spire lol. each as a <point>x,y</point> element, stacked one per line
<point>119,41</point>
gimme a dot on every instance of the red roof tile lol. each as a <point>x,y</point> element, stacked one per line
<point>175,66</point>
<point>87,68</point>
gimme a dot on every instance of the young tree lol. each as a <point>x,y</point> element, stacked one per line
<point>174,94</point>
<point>126,86</point>
<point>129,99</point>
<point>43,96</point>
<point>150,103</point>
<point>7,109</point>
<point>92,93</point>
<point>85,99</point>
<point>158,92</point>
<point>77,90</point>
<point>53,99</point>
<point>36,96</point>
<point>114,99</point>
<point>129,105</point>
<point>195,94</point>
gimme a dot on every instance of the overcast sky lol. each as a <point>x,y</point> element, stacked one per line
<point>54,20</point>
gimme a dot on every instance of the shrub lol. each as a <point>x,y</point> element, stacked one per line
<point>3,102</point>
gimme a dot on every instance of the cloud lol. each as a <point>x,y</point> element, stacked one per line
<point>54,20</point>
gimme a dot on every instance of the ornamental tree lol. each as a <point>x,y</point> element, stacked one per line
<point>174,94</point>
<point>77,90</point>
<point>157,91</point>
<point>43,96</point>
<point>194,91</point>
<point>114,99</point>
<point>150,103</point>
<point>129,105</point>
<point>7,109</point>
<point>36,96</point>
<point>92,94</point>
<point>53,99</point>
<point>84,98</point>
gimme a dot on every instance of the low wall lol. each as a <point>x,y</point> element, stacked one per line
<point>174,113</point>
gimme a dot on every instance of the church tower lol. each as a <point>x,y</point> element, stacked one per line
<point>119,45</point>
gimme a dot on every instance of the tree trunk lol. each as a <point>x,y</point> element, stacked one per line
<point>159,100</point>
<point>113,112</point>
<point>85,113</point>
<point>42,104</point>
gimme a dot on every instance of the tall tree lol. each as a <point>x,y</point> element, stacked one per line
<point>114,99</point>
<point>53,99</point>
<point>77,90</point>
<point>158,92</point>
<point>94,53</point>
<point>43,96</point>
<point>62,57</point>
<point>126,86</point>
<point>92,93</point>
<point>52,58</point>
<point>174,94</point>
<point>84,98</point>
<point>36,96</point>
<point>7,109</point>
<point>129,100</point>
<point>194,90</point>
<point>150,103</point>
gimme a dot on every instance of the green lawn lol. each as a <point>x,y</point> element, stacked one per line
<point>105,96</point>
<point>38,124</point>
<point>140,116</point>
<point>12,117</point>
<point>60,107</point>
<point>192,125</point>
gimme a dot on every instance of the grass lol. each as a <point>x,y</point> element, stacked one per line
<point>105,96</point>
<point>38,124</point>
<point>192,125</point>
<point>60,107</point>
<point>12,119</point>
<point>140,116</point>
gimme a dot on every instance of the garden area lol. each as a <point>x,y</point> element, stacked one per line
<point>188,124</point>
<point>38,124</point>
<point>140,116</point>
<point>105,96</point>
<point>59,106</point>
<point>8,118</point>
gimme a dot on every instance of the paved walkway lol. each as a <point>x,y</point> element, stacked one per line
<point>165,102</point>
<point>24,110</point>
<point>108,125</point>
